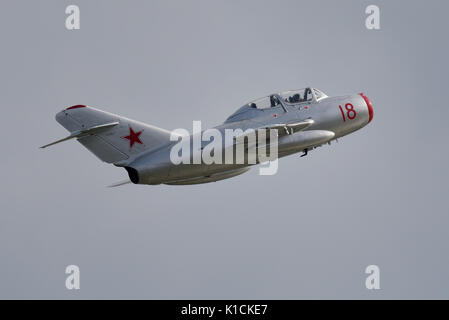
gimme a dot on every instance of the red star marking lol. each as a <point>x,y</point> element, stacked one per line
<point>275,115</point>
<point>306,107</point>
<point>133,137</point>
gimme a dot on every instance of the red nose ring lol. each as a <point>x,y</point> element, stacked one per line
<point>76,107</point>
<point>370,107</point>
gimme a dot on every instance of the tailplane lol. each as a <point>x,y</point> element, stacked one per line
<point>110,137</point>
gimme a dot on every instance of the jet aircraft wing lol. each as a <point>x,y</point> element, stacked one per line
<point>289,128</point>
<point>282,129</point>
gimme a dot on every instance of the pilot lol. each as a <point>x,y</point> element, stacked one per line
<point>306,93</point>
<point>253,105</point>
<point>296,98</point>
<point>274,101</point>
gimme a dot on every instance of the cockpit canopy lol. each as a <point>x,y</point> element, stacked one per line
<point>291,97</point>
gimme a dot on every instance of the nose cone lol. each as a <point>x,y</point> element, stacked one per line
<point>369,105</point>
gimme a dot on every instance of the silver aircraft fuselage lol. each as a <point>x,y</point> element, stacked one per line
<point>333,117</point>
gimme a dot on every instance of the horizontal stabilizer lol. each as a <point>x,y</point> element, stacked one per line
<point>120,183</point>
<point>83,133</point>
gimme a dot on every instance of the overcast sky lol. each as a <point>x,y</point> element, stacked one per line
<point>378,196</point>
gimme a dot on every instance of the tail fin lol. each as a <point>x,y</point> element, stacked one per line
<point>110,137</point>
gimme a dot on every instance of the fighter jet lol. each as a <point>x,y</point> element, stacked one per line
<point>303,120</point>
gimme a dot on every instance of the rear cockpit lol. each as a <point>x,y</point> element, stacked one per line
<point>282,100</point>
<point>302,95</point>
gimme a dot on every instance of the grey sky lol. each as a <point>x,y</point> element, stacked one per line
<point>379,196</point>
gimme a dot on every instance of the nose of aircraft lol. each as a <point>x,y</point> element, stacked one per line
<point>369,105</point>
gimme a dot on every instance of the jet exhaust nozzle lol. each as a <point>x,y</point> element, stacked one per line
<point>133,175</point>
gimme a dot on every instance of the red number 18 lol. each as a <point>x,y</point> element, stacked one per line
<point>350,112</point>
